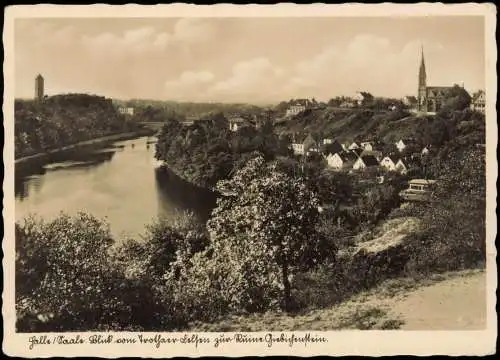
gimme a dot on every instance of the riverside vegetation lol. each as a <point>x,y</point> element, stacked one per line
<point>266,246</point>
<point>64,120</point>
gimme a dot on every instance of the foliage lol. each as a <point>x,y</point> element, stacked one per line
<point>457,99</point>
<point>208,151</point>
<point>62,120</point>
<point>455,228</point>
<point>64,279</point>
<point>261,234</point>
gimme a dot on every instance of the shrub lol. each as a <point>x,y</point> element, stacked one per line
<point>64,279</point>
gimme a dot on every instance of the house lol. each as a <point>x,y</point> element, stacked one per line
<point>341,160</point>
<point>365,161</point>
<point>425,151</point>
<point>402,144</point>
<point>332,148</point>
<point>298,148</point>
<point>126,110</point>
<point>406,164</point>
<point>348,103</point>
<point>410,101</point>
<point>378,154</point>
<point>353,146</point>
<point>418,190</point>
<point>310,144</point>
<point>478,101</point>
<point>297,106</point>
<point>357,151</point>
<point>389,163</point>
<point>236,122</point>
<point>367,145</point>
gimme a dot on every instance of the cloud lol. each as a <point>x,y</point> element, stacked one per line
<point>257,78</point>
<point>186,31</point>
<point>368,62</point>
<point>131,41</point>
<point>192,30</point>
<point>188,85</point>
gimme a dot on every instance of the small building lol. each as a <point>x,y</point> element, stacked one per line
<point>353,146</point>
<point>332,148</point>
<point>408,163</point>
<point>389,163</point>
<point>341,160</point>
<point>298,148</point>
<point>236,122</point>
<point>425,151</point>
<point>367,145</point>
<point>410,101</point>
<point>297,106</point>
<point>365,161</point>
<point>310,144</point>
<point>478,101</point>
<point>418,190</point>
<point>378,154</point>
<point>126,110</point>
<point>357,151</point>
<point>402,144</point>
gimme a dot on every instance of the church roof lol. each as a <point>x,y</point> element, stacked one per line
<point>438,90</point>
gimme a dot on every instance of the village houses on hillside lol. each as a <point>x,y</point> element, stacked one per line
<point>297,106</point>
<point>354,157</point>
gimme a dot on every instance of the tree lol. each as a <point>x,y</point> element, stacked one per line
<point>274,213</point>
<point>457,99</point>
<point>64,279</point>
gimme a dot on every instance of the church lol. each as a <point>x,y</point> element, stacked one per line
<point>430,98</point>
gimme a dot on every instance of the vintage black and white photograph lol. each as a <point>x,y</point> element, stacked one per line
<point>250,174</point>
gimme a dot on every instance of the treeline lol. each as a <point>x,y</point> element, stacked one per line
<point>187,109</point>
<point>208,151</point>
<point>62,120</point>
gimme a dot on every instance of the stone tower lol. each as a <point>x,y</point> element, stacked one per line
<point>39,90</point>
<point>422,85</point>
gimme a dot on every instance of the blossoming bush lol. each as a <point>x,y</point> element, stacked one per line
<point>262,233</point>
<point>64,278</point>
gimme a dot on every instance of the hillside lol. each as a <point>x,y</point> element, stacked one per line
<point>351,124</point>
<point>62,120</point>
<point>450,301</point>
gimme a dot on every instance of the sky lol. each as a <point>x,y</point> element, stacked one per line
<point>251,60</point>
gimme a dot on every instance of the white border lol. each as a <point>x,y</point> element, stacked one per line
<point>370,343</point>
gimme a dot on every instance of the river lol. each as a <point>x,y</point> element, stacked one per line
<point>120,182</point>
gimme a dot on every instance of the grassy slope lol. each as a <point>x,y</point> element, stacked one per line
<point>352,123</point>
<point>441,301</point>
<point>450,301</point>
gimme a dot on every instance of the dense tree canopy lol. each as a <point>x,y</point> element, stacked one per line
<point>63,119</point>
<point>208,151</point>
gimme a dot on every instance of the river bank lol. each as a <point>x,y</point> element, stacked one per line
<point>44,156</point>
<point>180,175</point>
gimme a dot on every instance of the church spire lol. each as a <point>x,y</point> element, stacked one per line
<point>421,74</point>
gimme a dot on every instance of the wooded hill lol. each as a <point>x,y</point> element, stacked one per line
<point>387,126</point>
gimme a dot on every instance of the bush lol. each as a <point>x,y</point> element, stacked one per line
<point>64,279</point>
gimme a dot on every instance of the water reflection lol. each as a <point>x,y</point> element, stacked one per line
<point>175,194</point>
<point>119,182</point>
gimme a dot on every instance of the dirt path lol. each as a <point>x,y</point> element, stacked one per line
<point>454,304</point>
<point>451,301</point>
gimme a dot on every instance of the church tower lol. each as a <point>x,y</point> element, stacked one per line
<point>422,85</point>
<point>39,90</point>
